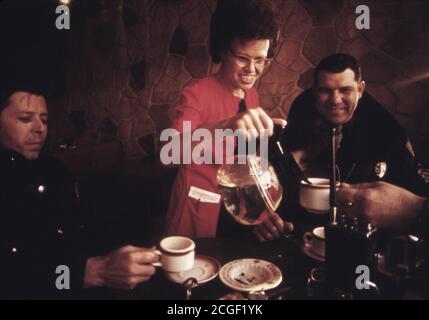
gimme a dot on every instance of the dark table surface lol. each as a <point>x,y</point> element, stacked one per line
<point>285,253</point>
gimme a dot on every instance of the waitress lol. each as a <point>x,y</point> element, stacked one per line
<point>242,40</point>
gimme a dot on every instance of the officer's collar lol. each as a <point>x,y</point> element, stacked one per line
<point>11,155</point>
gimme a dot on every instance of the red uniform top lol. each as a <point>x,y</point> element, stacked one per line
<point>203,102</point>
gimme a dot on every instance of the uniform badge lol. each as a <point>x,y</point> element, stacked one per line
<point>380,169</point>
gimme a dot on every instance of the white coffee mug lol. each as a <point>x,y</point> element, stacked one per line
<point>314,196</point>
<point>176,254</point>
<point>316,240</point>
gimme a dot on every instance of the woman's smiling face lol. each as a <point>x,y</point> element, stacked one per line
<point>243,64</point>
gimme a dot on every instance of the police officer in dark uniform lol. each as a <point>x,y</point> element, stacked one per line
<point>371,144</point>
<point>37,204</point>
<point>39,229</point>
<point>43,247</point>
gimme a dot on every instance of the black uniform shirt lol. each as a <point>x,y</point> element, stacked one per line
<point>39,227</point>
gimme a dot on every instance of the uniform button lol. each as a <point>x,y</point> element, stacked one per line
<point>41,188</point>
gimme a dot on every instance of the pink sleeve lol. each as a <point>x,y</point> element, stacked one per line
<point>187,109</point>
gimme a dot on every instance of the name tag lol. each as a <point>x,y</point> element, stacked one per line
<point>203,195</point>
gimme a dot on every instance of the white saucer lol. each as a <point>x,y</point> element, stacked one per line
<point>205,269</point>
<point>310,252</point>
<point>250,275</point>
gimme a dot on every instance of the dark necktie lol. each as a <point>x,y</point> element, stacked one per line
<point>339,136</point>
<point>242,106</point>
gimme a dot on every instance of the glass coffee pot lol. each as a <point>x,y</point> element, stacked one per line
<point>249,188</point>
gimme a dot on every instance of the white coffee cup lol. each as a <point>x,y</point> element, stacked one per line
<point>314,196</point>
<point>316,240</point>
<point>176,254</point>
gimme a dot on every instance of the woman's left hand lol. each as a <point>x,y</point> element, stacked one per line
<point>272,228</point>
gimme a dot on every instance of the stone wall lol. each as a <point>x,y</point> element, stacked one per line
<point>128,60</point>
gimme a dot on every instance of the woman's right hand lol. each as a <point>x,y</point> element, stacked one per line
<point>254,122</point>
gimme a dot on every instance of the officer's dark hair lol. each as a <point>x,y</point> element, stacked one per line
<point>337,63</point>
<point>7,92</point>
<point>31,79</point>
<point>244,20</point>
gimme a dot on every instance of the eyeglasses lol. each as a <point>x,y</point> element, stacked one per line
<point>243,60</point>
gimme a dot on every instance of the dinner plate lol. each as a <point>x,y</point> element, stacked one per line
<point>308,250</point>
<point>250,275</point>
<point>205,269</point>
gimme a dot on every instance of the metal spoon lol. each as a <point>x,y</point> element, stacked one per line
<point>190,283</point>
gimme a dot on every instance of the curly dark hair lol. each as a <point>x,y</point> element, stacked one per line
<point>241,19</point>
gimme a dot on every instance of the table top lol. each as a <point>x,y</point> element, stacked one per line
<point>285,253</point>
